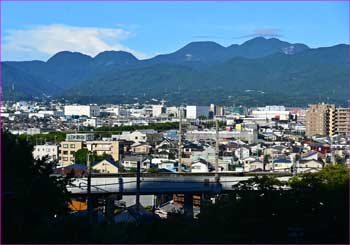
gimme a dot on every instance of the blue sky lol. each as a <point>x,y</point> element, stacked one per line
<point>37,30</point>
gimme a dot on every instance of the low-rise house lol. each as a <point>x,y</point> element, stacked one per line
<point>312,155</point>
<point>255,166</point>
<point>199,167</point>
<point>242,153</point>
<point>77,170</point>
<point>141,148</point>
<point>312,165</point>
<point>106,166</point>
<point>131,162</point>
<point>280,165</point>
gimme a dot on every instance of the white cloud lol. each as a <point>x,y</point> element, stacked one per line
<point>46,40</point>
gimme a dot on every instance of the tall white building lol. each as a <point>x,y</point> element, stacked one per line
<point>194,111</point>
<point>82,110</point>
<point>158,110</point>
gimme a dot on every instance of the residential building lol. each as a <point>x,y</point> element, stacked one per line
<point>141,148</point>
<point>106,166</point>
<point>131,162</point>
<point>101,147</point>
<point>46,150</point>
<point>67,151</point>
<point>339,119</point>
<point>79,137</point>
<point>319,119</point>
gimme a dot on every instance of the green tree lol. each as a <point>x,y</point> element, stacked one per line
<point>80,156</point>
<point>32,198</point>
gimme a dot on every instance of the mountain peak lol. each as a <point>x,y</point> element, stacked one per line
<point>115,58</point>
<point>202,45</point>
<point>261,40</point>
<point>64,56</point>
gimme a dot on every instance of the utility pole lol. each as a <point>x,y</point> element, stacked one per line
<point>294,165</point>
<point>89,198</point>
<point>179,170</point>
<point>138,174</point>
<point>217,151</point>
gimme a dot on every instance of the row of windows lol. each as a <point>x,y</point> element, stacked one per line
<point>46,150</point>
<point>66,158</point>
<point>66,145</point>
<point>66,152</point>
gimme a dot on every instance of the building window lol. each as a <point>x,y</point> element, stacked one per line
<point>72,145</point>
<point>65,158</point>
<point>65,152</point>
<point>65,145</point>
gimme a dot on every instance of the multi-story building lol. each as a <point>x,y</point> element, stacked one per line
<point>46,150</point>
<point>339,121</point>
<point>216,110</point>
<point>67,151</point>
<point>158,110</point>
<point>82,110</point>
<point>317,119</point>
<point>326,120</point>
<point>79,137</point>
<point>271,112</point>
<point>194,112</point>
<point>104,147</point>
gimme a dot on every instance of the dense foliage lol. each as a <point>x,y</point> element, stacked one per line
<point>32,199</point>
<point>81,155</point>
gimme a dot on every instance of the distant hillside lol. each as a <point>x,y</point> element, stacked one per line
<point>260,71</point>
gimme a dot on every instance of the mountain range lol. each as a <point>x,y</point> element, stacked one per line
<point>259,71</point>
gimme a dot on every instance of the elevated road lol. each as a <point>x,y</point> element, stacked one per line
<point>158,184</point>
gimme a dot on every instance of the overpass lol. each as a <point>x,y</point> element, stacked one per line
<point>159,184</point>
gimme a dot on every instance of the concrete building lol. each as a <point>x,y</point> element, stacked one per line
<point>194,112</point>
<point>319,119</point>
<point>82,110</point>
<point>158,110</point>
<point>49,150</point>
<point>271,112</point>
<point>216,110</point>
<point>67,151</point>
<point>339,121</point>
<point>79,137</point>
<point>172,111</point>
<point>249,135</point>
<point>104,147</point>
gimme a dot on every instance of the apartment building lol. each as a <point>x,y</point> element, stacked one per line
<point>67,151</point>
<point>326,120</point>
<point>104,147</point>
<point>46,150</point>
<point>339,121</point>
